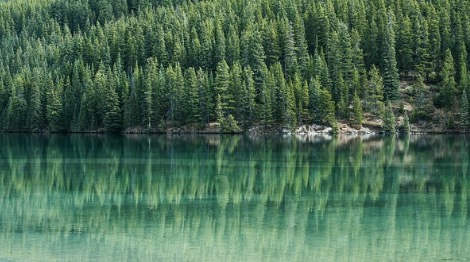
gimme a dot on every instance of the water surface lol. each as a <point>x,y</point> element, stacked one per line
<point>233,198</point>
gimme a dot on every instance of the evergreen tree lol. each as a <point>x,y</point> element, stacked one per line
<point>434,39</point>
<point>448,85</point>
<point>285,106</point>
<point>345,52</point>
<point>374,93</point>
<point>390,71</point>
<point>54,110</point>
<point>206,101</point>
<point>219,45</point>
<point>248,96</point>
<point>334,66</point>
<point>222,88</point>
<point>405,45</point>
<point>271,42</point>
<point>301,46</point>
<point>423,63</point>
<point>290,52</point>
<point>267,98</point>
<point>112,118</point>
<point>464,111</point>
<point>327,109</point>
<point>193,96</point>
<point>357,110</point>
<point>423,107</point>
<point>389,123</point>
<point>233,46</point>
<point>219,112</point>
<point>149,95</point>
<point>35,119</point>
<point>314,99</point>
<point>160,47</point>
<point>406,124</point>
<point>61,72</point>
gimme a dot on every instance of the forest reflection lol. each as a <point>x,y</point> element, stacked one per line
<point>185,197</point>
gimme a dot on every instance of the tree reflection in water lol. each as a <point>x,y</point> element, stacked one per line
<point>208,198</point>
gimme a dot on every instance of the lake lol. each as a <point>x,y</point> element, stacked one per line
<point>234,198</point>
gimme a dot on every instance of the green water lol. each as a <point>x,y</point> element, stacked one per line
<point>233,198</point>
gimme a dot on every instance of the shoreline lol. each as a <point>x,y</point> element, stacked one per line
<point>303,130</point>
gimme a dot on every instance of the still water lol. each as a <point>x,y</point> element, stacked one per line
<point>234,198</point>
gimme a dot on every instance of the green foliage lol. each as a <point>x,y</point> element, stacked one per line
<point>423,106</point>
<point>448,86</point>
<point>373,94</point>
<point>464,111</point>
<point>389,63</point>
<point>389,122</point>
<point>326,110</point>
<point>230,125</point>
<point>222,88</point>
<point>83,65</point>
<point>357,110</point>
<point>406,124</point>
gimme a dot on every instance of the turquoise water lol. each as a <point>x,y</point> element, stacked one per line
<point>233,198</point>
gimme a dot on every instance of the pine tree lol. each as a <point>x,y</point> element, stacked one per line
<point>285,110</point>
<point>35,119</point>
<point>54,110</point>
<point>219,45</point>
<point>177,95</point>
<point>357,110</point>
<point>314,98</point>
<point>233,46</point>
<point>151,76</point>
<point>195,49</point>
<point>448,85</point>
<point>267,100</point>
<point>290,52</point>
<point>219,112</point>
<point>207,46</point>
<point>423,108</point>
<point>237,89</point>
<point>206,100</point>
<point>248,96</point>
<point>301,46</point>
<point>345,53</point>
<point>222,88</point>
<point>374,90</point>
<point>301,98</point>
<point>390,71</point>
<point>358,53</point>
<point>371,48</point>
<point>112,118</point>
<point>422,59</point>
<point>404,45</point>
<point>445,30</point>
<point>271,42</point>
<point>389,123</point>
<point>334,66</point>
<point>406,124</point>
<point>464,111</point>
<point>434,39</point>
<point>193,97</point>
<point>462,73</point>
<point>160,47</point>
<point>327,109</point>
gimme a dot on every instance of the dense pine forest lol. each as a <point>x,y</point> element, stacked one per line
<point>117,65</point>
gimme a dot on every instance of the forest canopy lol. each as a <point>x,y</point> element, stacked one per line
<point>78,65</point>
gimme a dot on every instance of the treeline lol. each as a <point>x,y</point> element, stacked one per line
<point>113,65</point>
